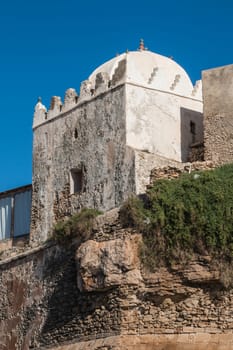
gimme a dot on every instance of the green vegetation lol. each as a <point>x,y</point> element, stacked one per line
<point>185,216</point>
<point>79,225</point>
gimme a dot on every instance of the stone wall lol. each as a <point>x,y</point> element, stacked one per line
<point>196,152</point>
<point>149,167</point>
<point>98,296</point>
<point>89,140</point>
<point>42,306</point>
<point>173,172</point>
<point>218,114</point>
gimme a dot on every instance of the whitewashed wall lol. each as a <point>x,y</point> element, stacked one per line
<point>153,121</point>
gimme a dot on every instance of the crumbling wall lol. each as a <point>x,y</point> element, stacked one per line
<point>173,172</point>
<point>218,114</point>
<point>90,139</point>
<point>77,297</point>
<point>196,152</point>
<point>40,304</point>
<point>149,167</point>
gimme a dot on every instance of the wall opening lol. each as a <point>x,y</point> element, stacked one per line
<point>76,181</point>
<point>46,140</point>
<point>193,131</point>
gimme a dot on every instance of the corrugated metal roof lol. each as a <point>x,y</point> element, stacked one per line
<point>15,190</point>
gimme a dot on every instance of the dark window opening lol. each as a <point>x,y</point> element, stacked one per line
<point>75,133</point>
<point>46,139</point>
<point>193,131</point>
<point>76,177</point>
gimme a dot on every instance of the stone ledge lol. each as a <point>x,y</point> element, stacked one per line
<point>191,341</point>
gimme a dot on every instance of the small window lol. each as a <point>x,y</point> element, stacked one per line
<point>46,139</point>
<point>75,133</point>
<point>193,131</point>
<point>76,181</point>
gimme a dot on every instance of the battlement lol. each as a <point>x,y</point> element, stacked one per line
<point>140,68</point>
<point>41,114</point>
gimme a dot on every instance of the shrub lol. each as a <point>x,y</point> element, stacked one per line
<point>79,225</point>
<point>185,216</point>
<point>132,213</point>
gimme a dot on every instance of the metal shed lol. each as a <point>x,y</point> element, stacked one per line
<point>15,212</point>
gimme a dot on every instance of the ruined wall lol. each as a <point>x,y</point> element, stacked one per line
<point>149,167</point>
<point>173,172</point>
<point>41,304</point>
<point>218,114</point>
<point>144,163</point>
<point>97,296</point>
<point>89,138</point>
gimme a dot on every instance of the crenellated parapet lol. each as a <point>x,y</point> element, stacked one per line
<point>142,68</point>
<point>55,106</point>
<point>86,90</point>
<point>197,90</point>
<point>40,113</point>
<point>71,99</point>
<point>102,82</point>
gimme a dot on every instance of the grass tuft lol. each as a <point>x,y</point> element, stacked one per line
<point>79,225</point>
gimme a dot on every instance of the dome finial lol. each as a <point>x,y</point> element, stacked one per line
<point>141,45</point>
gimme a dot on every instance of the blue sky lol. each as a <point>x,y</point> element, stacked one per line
<point>49,46</point>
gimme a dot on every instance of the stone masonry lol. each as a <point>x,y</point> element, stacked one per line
<point>97,296</point>
<point>138,118</point>
<point>218,114</point>
<point>89,139</point>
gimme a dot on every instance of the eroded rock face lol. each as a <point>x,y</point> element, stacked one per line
<point>102,265</point>
<point>116,304</point>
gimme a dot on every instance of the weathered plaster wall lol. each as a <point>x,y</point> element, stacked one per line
<point>218,114</point>
<point>159,122</point>
<point>90,137</point>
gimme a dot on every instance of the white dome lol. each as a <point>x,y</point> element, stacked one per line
<point>151,70</point>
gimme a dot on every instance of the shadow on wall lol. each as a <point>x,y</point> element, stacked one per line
<point>191,130</point>
<point>70,313</point>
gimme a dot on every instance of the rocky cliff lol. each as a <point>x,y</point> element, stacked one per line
<point>96,295</point>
